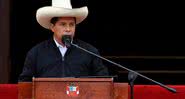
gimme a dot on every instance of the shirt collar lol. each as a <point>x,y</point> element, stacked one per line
<point>58,45</point>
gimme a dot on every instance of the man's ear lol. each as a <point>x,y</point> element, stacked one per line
<point>51,27</point>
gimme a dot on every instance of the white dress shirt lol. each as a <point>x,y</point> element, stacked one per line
<point>62,49</point>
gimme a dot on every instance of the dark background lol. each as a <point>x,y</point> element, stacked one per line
<point>143,38</point>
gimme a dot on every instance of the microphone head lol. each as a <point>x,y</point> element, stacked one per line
<point>66,40</point>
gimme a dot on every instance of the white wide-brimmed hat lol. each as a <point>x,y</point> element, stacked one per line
<point>60,8</point>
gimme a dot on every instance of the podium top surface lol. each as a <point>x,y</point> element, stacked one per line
<point>73,79</point>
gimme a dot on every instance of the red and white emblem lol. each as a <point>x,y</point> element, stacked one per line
<point>72,90</point>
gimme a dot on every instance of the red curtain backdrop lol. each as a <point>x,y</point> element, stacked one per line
<point>10,91</point>
<point>157,92</point>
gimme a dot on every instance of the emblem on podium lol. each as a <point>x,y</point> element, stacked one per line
<point>72,90</point>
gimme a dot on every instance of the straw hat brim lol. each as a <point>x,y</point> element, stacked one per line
<point>45,14</point>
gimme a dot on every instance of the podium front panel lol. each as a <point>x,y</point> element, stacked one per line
<point>73,88</point>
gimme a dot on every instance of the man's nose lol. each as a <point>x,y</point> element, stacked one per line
<point>68,31</point>
<point>68,28</point>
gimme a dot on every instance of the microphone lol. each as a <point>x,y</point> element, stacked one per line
<point>66,40</point>
<point>123,67</point>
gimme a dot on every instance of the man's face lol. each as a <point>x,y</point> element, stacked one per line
<point>64,26</point>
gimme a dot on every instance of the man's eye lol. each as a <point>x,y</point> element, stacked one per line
<point>72,24</point>
<point>63,24</point>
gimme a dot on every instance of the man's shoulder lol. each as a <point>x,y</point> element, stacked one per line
<point>41,45</point>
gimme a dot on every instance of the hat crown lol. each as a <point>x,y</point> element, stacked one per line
<point>62,3</point>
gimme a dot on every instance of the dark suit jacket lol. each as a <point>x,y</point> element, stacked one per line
<point>45,60</point>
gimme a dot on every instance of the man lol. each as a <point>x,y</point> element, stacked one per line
<point>51,58</point>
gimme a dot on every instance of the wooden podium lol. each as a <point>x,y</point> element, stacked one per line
<point>72,88</point>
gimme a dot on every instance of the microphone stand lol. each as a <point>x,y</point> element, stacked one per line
<point>134,72</point>
<point>131,78</point>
